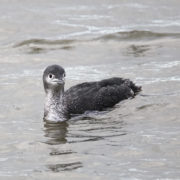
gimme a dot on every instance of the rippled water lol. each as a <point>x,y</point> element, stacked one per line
<point>137,139</point>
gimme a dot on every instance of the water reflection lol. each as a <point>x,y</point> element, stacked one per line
<point>95,126</point>
<point>64,167</point>
<point>138,50</point>
<point>66,139</point>
<point>56,132</point>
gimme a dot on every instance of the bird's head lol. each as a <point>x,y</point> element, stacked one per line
<point>53,78</point>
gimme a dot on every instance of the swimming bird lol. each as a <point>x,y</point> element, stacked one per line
<point>87,96</point>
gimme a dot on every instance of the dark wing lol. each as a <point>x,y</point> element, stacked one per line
<point>119,82</point>
<point>98,95</point>
<point>80,98</point>
<point>110,95</point>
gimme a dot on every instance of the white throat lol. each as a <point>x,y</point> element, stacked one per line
<point>54,109</point>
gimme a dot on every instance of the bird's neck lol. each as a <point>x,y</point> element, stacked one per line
<point>55,95</point>
<point>54,109</point>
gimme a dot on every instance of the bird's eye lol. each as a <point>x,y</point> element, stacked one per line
<point>50,76</point>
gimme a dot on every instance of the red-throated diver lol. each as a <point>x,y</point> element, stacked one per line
<point>88,96</point>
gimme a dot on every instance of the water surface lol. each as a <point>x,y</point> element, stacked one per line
<point>137,139</point>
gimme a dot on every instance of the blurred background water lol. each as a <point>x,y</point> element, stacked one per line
<point>92,40</point>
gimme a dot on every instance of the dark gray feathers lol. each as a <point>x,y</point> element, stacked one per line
<point>99,95</point>
<point>88,96</point>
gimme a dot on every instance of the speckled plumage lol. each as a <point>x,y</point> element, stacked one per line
<point>83,97</point>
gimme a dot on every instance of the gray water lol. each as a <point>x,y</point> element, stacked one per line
<point>137,139</point>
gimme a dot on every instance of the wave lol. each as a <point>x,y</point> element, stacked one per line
<point>44,42</point>
<point>43,45</point>
<point>36,46</point>
<point>138,36</point>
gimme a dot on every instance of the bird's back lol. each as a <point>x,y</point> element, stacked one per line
<point>98,95</point>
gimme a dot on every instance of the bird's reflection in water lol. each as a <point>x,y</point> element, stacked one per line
<point>87,128</point>
<point>56,132</point>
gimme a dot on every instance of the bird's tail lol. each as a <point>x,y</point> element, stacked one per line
<point>136,89</point>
